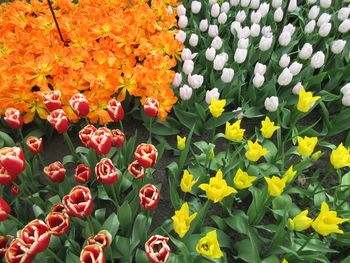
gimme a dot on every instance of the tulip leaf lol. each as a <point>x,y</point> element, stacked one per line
<point>6,139</point>
<point>188,119</point>
<point>112,224</point>
<point>125,216</point>
<point>141,257</point>
<point>248,251</point>
<point>164,129</point>
<point>217,122</point>
<point>140,230</point>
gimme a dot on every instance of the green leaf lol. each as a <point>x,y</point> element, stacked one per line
<point>271,147</point>
<point>125,215</point>
<point>6,139</point>
<point>141,257</point>
<point>213,123</point>
<point>112,224</point>
<point>188,119</point>
<point>164,129</point>
<point>252,112</point>
<point>140,229</point>
<point>184,152</point>
<point>248,251</point>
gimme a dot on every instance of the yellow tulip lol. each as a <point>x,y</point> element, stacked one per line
<point>181,142</point>
<point>187,182</point>
<point>300,222</point>
<point>306,145</point>
<point>268,128</point>
<point>340,157</point>
<point>327,221</point>
<point>216,107</point>
<point>233,132</point>
<point>315,156</point>
<point>306,100</point>
<point>284,261</point>
<point>242,180</point>
<point>208,246</point>
<point>217,189</point>
<point>255,151</point>
<point>182,220</point>
<point>289,175</point>
<point>275,185</point>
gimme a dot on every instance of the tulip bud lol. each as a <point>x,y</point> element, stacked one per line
<point>284,61</point>
<point>297,88</point>
<point>265,43</point>
<point>210,54</point>
<point>285,38</point>
<point>78,202</point>
<point>264,9</point>
<point>325,29</point>
<point>240,55</point>
<point>56,172</point>
<point>103,238</point>
<point>118,138</point>
<point>58,119</point>
<point>314,12</point>
<point>276,3</point>
<point>195,81</point>
<point>203,25</point>
<point>187,67</point>
<point>243,43</point>
<point>177,80</point>
<point>182,22</point>
<point>235,27</point>
<point>4,209</point>
<point>211,94</point>
<point>101,141</point>
<point>180,36</point>
<point>311,2</point>
<point>186,54</point>
<point>292,6</point>
<point>260,68</point>
<point>271,104</point>
<point>222,18</point>
<point>105,172</point>
<point>79,105</point>
<point>295,68</point>
<point>241,16</point>
<point>196,7</point>
<point>324,18</point>
<point>136,170</point>
<point>216,43</point>
<point>18,251</point>
<point>15,190</point>
<point>285,78</point>
<point>227,75</point>
<point>345,89</point>
<point>213,31</point>
<point>35,144</point>
<point>215,10</point>
<point>243,32</point>
<point>278,15</point>
<point>86,133</point>
<point>185,92</point>
<point>266,31</point>
<point>92,254</point>
<point>343,13</point>
<point>181,10</point>
<point>318,59</point>
<point>220,61</point>
<point>58,223</point>
<point>13,118</point>
<point>309,28</point>
<point>255,30</point>
<point>306,51</point>
<point>344,27</point>
<point>146,155</point>
<point>234,2</point>
<point>289,28</point>
<point>258,80</point>
<point>149,197</point>
<point>193,40</point>
<point>325,3</point>
<point>12,160</point>
<point>225,7</point>
<point>346,100</point>
<point>151,107</point>
<point>82,173</point>
<point>52,100</point>
<point>254,4</point>
<point>157,249</point>
<point>245,3</point>
<point>115,110</point>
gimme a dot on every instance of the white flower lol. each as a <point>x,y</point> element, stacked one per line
<point>193,40</point>
<point>258,80</point>
<point>289,28</point>
<point>278,15</point>
<point>345,89</point>
<point>240,55</point>
<point>324,18</point>
<point>243,43</point>
<point>211,2</point>
<point>211,94</point>
<point>346,100</point>
<point>254,4</point>
<point>265,43</point>
<point>227,75</point>
<point>186,54</point>
<point>297,88</point>
<point>255,17</point>
<point>185,92</point>
<point>309,28</point>
<point>235,26</point>
<point>245,3</point>
<point>295,68</point>
<point>284,61</point>
<point>271,103</point>
<point>220,61</point>
<point>338,46</point>
<point>213,31</point>
<point>210,54</point>
<point>183,21</point>
<point>260,69</point>
<point>314,12</point>
<point>285,78</point>
<point>325,3</point>
<point>234,2</point>
<point>188,66</point>
<point>264,9</point>
<point>317,59</point>
<point>177,80</point>
<point>241,16</point>
<point>195,81</point>
<point>284,38</point>
<point>225,7</point>
<point>325,29</point>
<point>344,27</point>
<point>276,3</point>
<point>306,51</point>
<point>215,10</point>
<point>292,6</point>
<point>310,2</point>
<point>181,10</point>
<point>222,18</point>
<point>243,32</point>
<point>216,43</point>
<point>266,31</point>
<point>343,13</point>
<point>181,36</point>
<point>196,7</point>
<point>203,25</point>
<point>255,30</point>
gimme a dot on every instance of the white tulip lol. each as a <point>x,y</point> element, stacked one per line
<point>195,81</point>
<point>265,43</point>
<point>258,80</point>
<point>188,66</point>
<point>243,32</point>
<point>234,2</point>
<point>220,61</point>
<point>285,78</point>
<point>211,94</point>
<point>193,40</point>
<point>245,3</point>
<point>264,9</point>
<point>186,54</point>
<point>314,12</point>
<point>241,16</point>
<point>225,7</point>
<point>260,69</point>
<point>203,25</point>
<point>235,27</point>
<point>295,68</point>
<point>345,89</point>
<point>309,28</point>
<point>318,59</point>
<point>306,51</point>
<point>324,18</point>
<point>215,10</point>
<point>177,80</point>
<point>183,21</point>
<point>216,43</point>
<point>227,75</point>
<point>284,61</point>
<point>266,31</point>
<point>222,18</point>
<point>240,113</point>
<point>240,55</point>
<point>325,29</point>
<point>254,4</point>
<point>292,6</point>
<point>271,103</point>
<point>211,2</point>
<point>310,2</point>
<point>180,36</point>
<point>243,43</point>
<point>284,39</point>
<point>213,31</point>
<point>181,10</point>
<point>338,46</point>
<point>255,17</point>
<point>278,15</point>
<point>276,3</point>
<point>297,88</point>
<point>346,100</point>
<point>196,7</point>
<point>289,28</point>
<point>255,30</point>
<point>185,92</point>
<point>325,3</point>
<point>344,27</point>
<point>343,13</point>
<point>210,54</point>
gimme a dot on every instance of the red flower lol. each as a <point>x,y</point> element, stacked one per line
<point>58,208</point>
<point>146,155</point>
<point>92,254</point>
<point>58,223</point>
<point>136,170</point>
<point>56,172</point>
<point>15,190</point>
<point>103,238</point>
<point>13,118</point>
<point>118,138</point>
<point>18,252</point>
<point>86,133</point>
<point>35,144</point>
<point>36,235</point>
<point>12,159</point>
<point>52,100</point>
<point>4,209</point>
<point>79,202</point>
<point>82,173</point>
<point>79,104</point>
<point>101,140</point>
<point>149,197</point>
<point>5,177</point>
<point>157,249</point>
<point>151,107</point>
<point>58,120</point>
<point>106,172</point>
<point>3,245</point>
<point>115,110</point>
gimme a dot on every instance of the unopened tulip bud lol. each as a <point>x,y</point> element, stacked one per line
<point>318,59</point>
<point>314,12</point>
<point>115,110</point>
<point>186,54</point>
<point>255,17</point>
<point>292,6</point>
<point>58,120</point>
<point>211,94</point>
<point>309,28</point>
<point>325,3</point>
<point>225,7</point>
<point>243,32</point>
<point>324,18</point>
<point>284,39</point>
<point>180,36</point>
<point>79,105</point>
<point>196,7</point>
<point>255,30</point>
<point>306,51</point>
<point>276,3</point>
<point>203,25</point>
<point>213,31</point>
<point>241,16</point>
<point>227,75</point>
<point>188,66</point>
<point>222,18</point>
<point>220,61</point>
<point>345,89</point>
<point>297,88</point>
<point>278,15</point>
<point>344,27</point>
<point>343,13</point>
<point>284,61</point>
<point>245,3</point>
<point>13,118</point>
<point>216,43</point>
<point>265,43</point>
<point>185,92</point>
<point>234,2</point>
<point>258,80</point>
<point>240,55</point>
<point>260,68</point>
<point>264,9</point>
<point>254,4</point>
<point>346,100</point>
<point>195,81</point>
<point>210,54</point>
<point>295,68</point>
<point>271,104</point>
<point>215,10</point>
<point>193,40</point>
<point>285,78</point>
<point>182,22</point>
<point>177,80</point>
<point>325,29</point>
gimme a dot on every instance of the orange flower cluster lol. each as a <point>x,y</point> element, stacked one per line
<point>112,47</point>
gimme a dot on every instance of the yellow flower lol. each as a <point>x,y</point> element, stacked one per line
<point>268,128</point>
<point>300,222</point>
<point>242,180</point>
<point>306,100</point>
<point>306,145</point>
<point>208,246</point>
<point>327,221</point>
<point>340,157</point>
<point>289,175</point>
<point>284,261</point>
<point>216,107</point>
<point>255,151</point>
<point>187,182</point>
<point>181,142</point>
<point>275,185</point>
<point>233,132</point>
<point>315,156</point>
<point>182,220</point>
<point>217,189</point>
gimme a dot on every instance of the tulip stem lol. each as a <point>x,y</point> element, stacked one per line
<point>121,126</point>
<point>15,220</point>
<point>115,197</point>
<point>91,227</point>
<point>150,131</point>
<point>306,242</point>
<point>54,255</point>
<point>70,146</point>
<point>41,161</point>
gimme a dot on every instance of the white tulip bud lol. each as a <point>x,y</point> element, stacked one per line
<point>255,17</point>
<point>211,94</point>
<point>284,61</point>
<point>258,80</point>
<point>241,16</point>
<point>245,3</point>
<point>338,46</point>
<point>180,36</point>
<point>311,2</point>
<point>346,100</point>
<point>324,18</point>
<point>225,7</point>
<point>183,21</point>
<point>306,51</point>
<point>211,2</point>
<point>193,40</point>
<point>220,61</point>
<point>203,25</point>
<point>216,43</point>
<point>264,9</point>
<point>254,4</point>
<point>325,3</point>
<point>265,43</point>
<point>266,31</point>
<point>297,88</point>
<point>227,75</point>
<point>271,103</point>
<point>240,113</point>
<point>177,80</point>
<point>255,30</point>
<point>188,66</point>
<point>196,7</point>
<point>181,10</point>
<point>234,2</point>
<point>215,10</point>
<point>278,15</point>
<point>195,81</point>
<point>318,60</point>
<point>235,27</point>
<point>309,28</point>
<point>210,54</point>
<point>292,6</point>
<point>186,54</point>
<point>284,38</point>
<point>240,55</point>
<point>325,29</point>
<point>285,78</point>
<point>243,43</point>
<point>276,3</point>
<point>289,28</point>
<point>222,18</point>
<point>243,32</point>
<point>344,27</point>
<point>343,13</point>
<point>213,31</point>
<point>260,69</point>
<point>314,12</point>
<point>295,68</point>
<point>185,92</point>
<point>345,89</point>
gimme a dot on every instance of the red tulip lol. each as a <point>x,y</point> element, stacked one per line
<point>58,119</point>
<point>18,252</point>
<point>151,107</point>
<point>146,155</point>
<point>136,170</point>
<point>36,235</point>
<point>103,238</point>
<point>101,141</point>
<point>58,223</point>
<point>115,110</point>
<point>78,202</point>
<point>5,177</point>
<point>13,118</point>
<point>4,209</point>
<point>52,100</point>
<point>157,249</point>
<point>35,144</point>
<point>86,133</point>
<point>58,208</point>
<point>12,159</point>
<point>106,172</point>
<point>15,190</point>
<point>3,245</point>
<point>92,254</point>
<point>118,138</point>
<point>82,173</point>
<point>79,104</point>
<point>149,197</point>
<point>56,172</point>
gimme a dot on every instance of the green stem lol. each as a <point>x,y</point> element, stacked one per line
<point>150,131</point>
<point>115,197</point>
<point>91,227</point>
<point>280,145</point>
<point>306,242</point>
<point>200,217</point>
<point>41,161</point>
<point>70,146</point>
<point>54,255</point>
<point>121,125</point>
<point>15,220</point>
